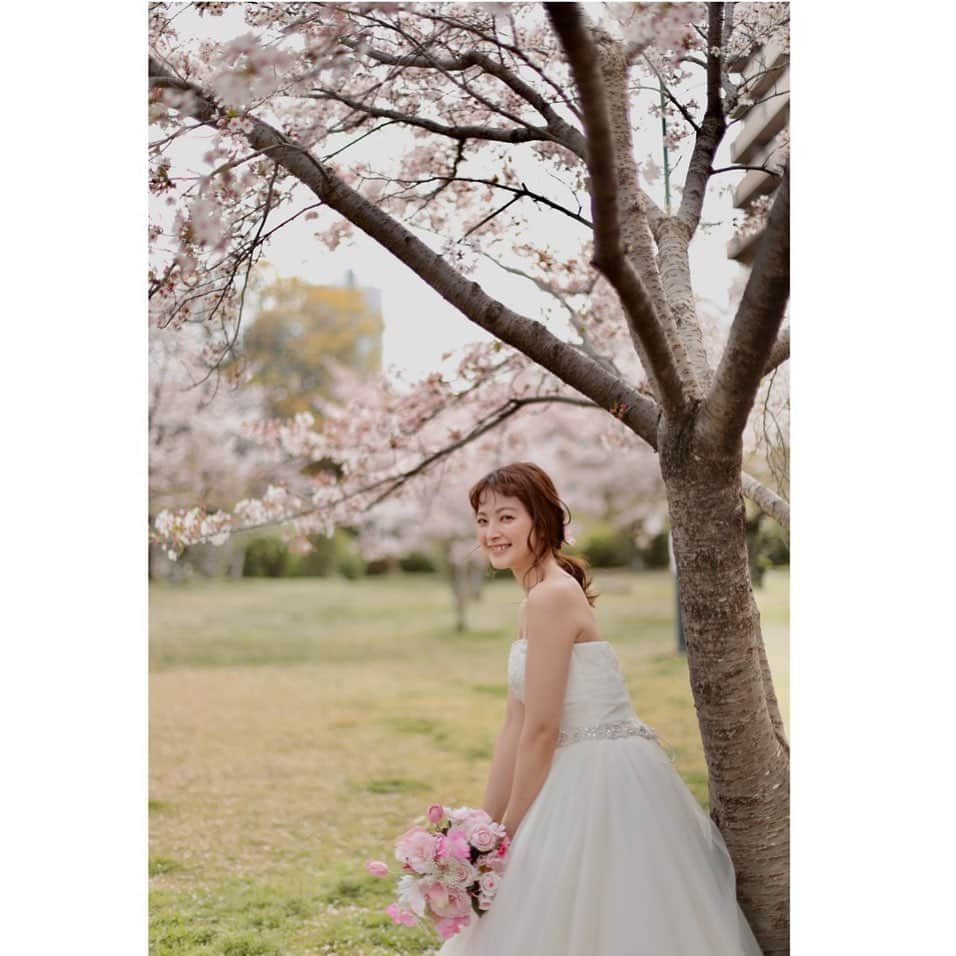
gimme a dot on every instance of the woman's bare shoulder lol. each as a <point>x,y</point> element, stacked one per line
<point>558,593</point>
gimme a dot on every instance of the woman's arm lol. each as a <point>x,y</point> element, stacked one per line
<point>502,769</point>
<point>552,628</point>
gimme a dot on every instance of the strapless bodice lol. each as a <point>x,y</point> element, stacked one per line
<point>596,701</point>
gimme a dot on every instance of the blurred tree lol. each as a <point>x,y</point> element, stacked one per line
<point>199,451</point>
<point>298,328</point>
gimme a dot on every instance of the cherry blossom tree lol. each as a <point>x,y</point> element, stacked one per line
<point>521,151</point>
<point>598,476</point>
<point>202,457</point>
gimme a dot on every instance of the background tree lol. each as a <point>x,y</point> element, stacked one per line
<point>523,113</point>
<point>299,327</point>
<point>201,456</point>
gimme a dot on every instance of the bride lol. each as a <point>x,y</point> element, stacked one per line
<point>611,855</point>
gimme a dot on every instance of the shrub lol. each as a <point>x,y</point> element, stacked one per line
<point>265,558</point>
<point>270,557</point>
<point>417,563</point>
<point>657,553</point>
<point>610,549</point>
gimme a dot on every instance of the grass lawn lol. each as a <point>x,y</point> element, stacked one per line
<point>298,726</point>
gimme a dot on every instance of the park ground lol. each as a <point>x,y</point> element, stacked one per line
<point>297,726</point>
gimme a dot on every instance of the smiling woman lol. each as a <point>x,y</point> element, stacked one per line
<point>587,794</point>
<point>521,524</point>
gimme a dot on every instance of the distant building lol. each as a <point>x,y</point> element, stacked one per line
<point>763,137</point>
<point>370,342</point>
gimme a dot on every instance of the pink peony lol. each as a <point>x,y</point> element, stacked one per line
<point>377,868</point>
<point>456,844</point>
<point>416,848</point>
<point>400,916</point>
<point>458,872</point>
<point>459,814</point>
<point>435,813</point>
<point>451,927</point>
<point>447,901</point>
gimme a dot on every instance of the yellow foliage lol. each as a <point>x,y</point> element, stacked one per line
<point>299,328</point>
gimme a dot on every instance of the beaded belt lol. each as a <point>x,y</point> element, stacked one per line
<point>610,731</point>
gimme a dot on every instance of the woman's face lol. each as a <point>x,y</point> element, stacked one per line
<point>503,527</point>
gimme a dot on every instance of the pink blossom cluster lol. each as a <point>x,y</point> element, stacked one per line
<point>193,525</point>
<point>378,430</point>
<point>666,26</point>
<point>452,868</point>
<point>179,529</point>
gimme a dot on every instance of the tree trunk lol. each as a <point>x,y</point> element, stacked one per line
<point>747,757</point>
<point>461,586</point>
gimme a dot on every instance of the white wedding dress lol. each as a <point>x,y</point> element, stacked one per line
<point>615,857</point>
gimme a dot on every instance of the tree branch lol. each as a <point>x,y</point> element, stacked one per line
<point>780,352</point>
<point>523,191</point>
<point>637,412</point>
<point>667,92</point>
<point>582,373</point>
<point>724,412</point>
<point>564,133</point>
<point>743,169</point>
<point>576,321</point>
<point>609,254</point>
<point>496,41</point>
<point>516,134</point>
<point>711,130</point>
<point>766,500</point>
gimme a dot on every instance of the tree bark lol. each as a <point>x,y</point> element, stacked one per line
<point>461,586</point>
<point>744,746</point>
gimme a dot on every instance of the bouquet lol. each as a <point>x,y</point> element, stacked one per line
<point>452,868</point>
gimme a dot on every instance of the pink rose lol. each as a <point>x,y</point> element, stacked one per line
<point>377,868</point>
<point>435,813</point>
<point>483,838</point>
<point>472,819</point>
<point>488,882</point>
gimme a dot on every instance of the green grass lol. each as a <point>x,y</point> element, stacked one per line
<point>297,726</point>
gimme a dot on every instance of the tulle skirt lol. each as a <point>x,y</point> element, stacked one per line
<point>615,857</point>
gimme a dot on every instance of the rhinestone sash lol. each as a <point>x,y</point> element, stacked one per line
<point>610,731</point>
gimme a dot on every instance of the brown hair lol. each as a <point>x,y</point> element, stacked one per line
<point>535,490</point>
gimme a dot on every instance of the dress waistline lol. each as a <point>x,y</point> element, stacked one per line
<point>631,727</point>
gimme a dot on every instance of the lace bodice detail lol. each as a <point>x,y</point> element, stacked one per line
<point>596,702</point>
